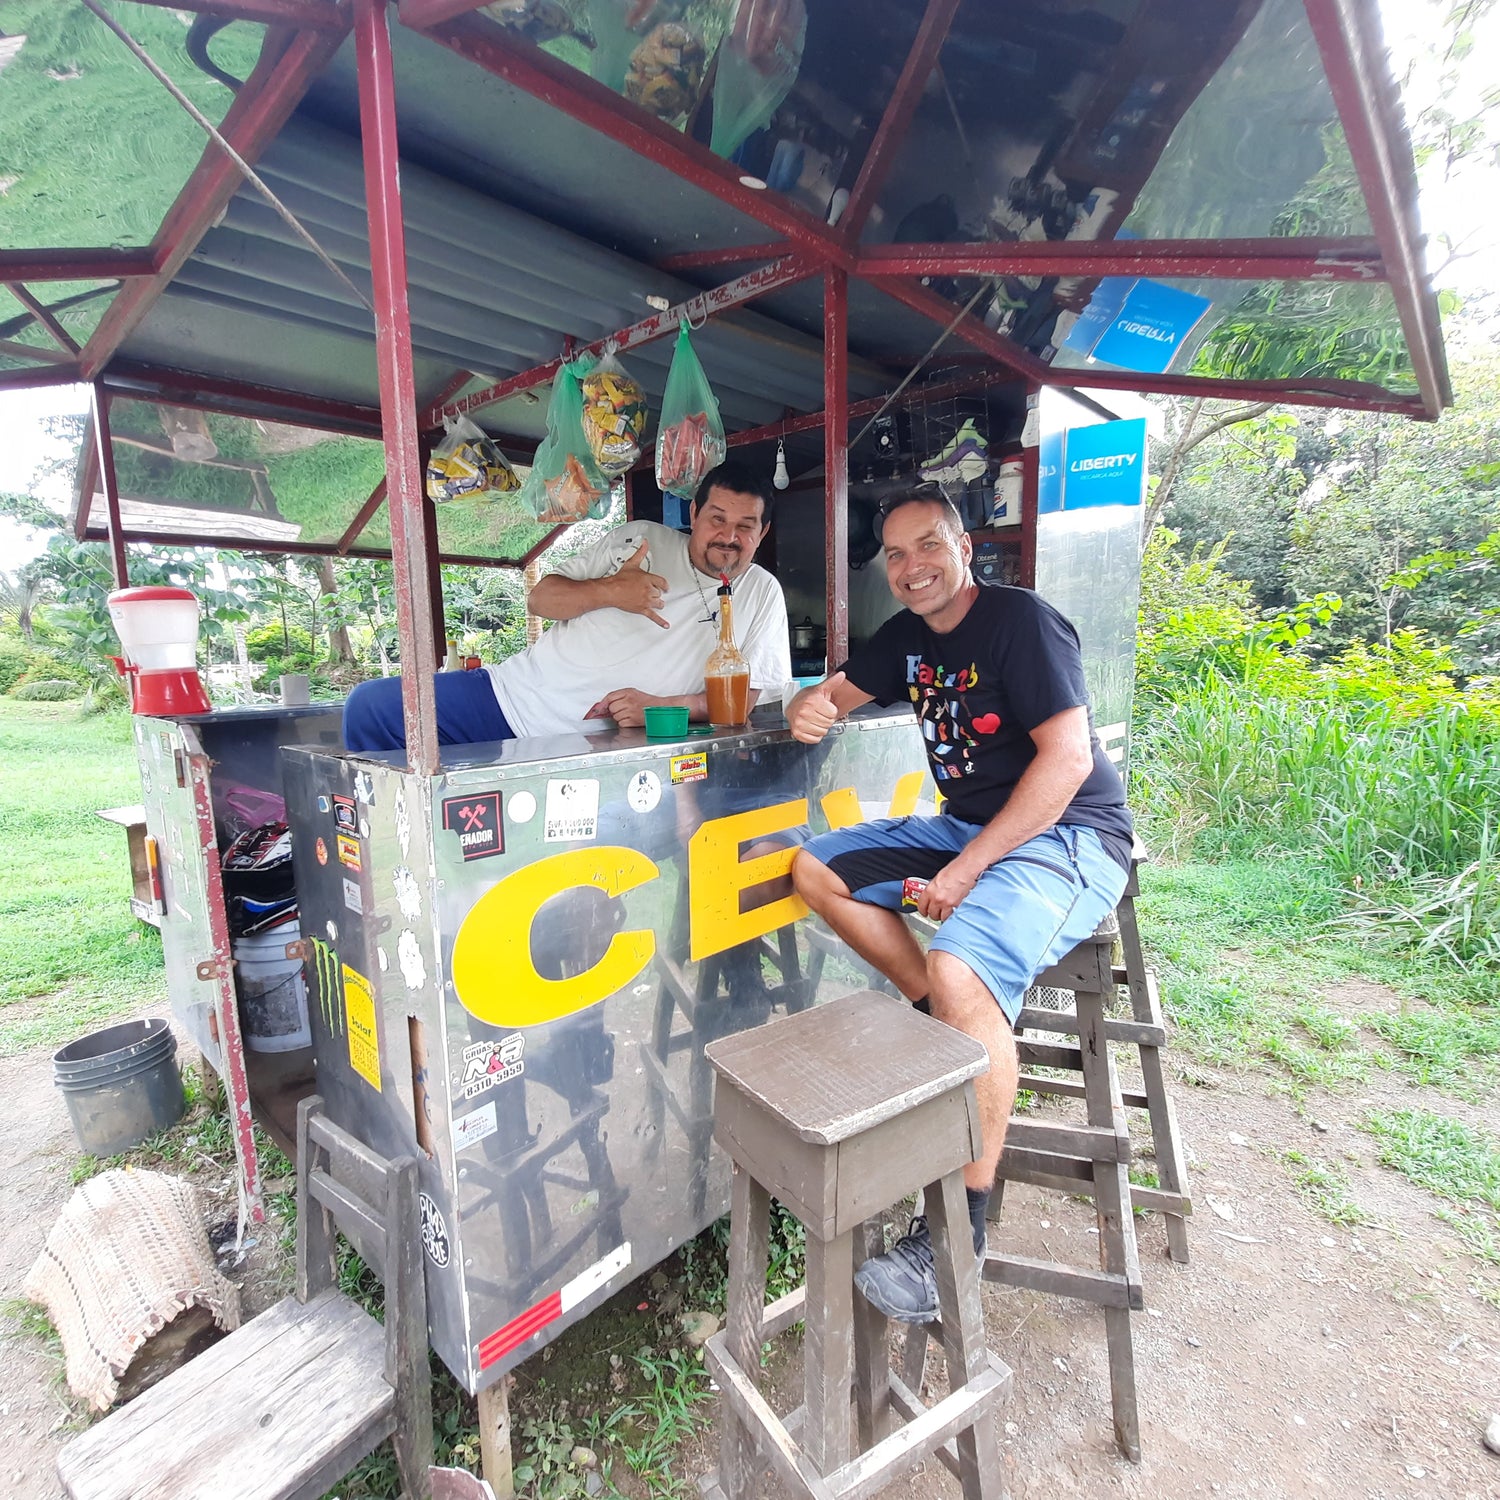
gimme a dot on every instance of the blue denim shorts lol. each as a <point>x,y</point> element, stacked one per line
<point>1025,912</point>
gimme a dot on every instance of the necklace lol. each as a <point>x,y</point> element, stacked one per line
<point>710,613</point>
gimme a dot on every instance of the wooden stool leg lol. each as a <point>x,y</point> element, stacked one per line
<point>1112,1209</point>
<point>828,1351</point>
<point>749,1236</point>
<point>979,1462</point>
<point>872,1365</point>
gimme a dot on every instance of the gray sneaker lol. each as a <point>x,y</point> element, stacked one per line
<point>902,1283</point>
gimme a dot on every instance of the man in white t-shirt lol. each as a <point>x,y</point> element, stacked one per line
<point>637,617</point>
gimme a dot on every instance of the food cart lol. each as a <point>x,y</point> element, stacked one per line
<point>944,222</point>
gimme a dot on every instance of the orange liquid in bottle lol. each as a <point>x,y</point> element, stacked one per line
<point>726,675</point>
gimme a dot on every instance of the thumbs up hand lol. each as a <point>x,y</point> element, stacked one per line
<point>812,713</point>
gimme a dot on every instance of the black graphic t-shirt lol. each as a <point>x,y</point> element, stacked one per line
<point>1009,665</point>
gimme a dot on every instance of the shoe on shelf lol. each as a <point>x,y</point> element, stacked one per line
<point>966,457</point>
<point>902,1283</point>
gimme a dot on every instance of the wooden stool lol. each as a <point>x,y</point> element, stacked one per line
<point>840,1112</point>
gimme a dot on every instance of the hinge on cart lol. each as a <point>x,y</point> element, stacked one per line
<point>300,949</point>
<point>213,968</point>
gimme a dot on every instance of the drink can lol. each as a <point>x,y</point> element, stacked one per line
<point>911,890</point>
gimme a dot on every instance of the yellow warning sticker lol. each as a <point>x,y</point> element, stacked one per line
<point>364,1040</point>
<point>689,767</point>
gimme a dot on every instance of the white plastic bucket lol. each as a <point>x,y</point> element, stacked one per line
<point>273,994</point>
<point>1009,487</point>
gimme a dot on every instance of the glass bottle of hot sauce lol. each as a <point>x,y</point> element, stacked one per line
<point>726,676</point>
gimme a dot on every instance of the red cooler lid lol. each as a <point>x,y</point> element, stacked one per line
<point>145,595</point>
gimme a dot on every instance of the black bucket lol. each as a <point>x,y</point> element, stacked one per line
<point>121,1085</point>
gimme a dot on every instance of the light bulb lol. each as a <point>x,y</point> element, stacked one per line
<point>781,479</point>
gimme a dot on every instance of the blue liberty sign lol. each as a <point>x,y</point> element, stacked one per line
<point>1101,464</point>
<point>1136,325</point>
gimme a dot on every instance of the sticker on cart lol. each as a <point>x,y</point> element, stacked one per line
<point>403,823</point>
<point>364,788</point>
<point>343,814</point>
<point>692,767</point>
<point>353,896</point>
<point>434,1232</point>
<point>408,893</point>
<point>476,821</point>
<point>549,1309</point>
<point>644,791</point>
<point>491,1063</point>
<point>364,1038</point>
<point>325,970</point>
<point>323,804</point>
<point>321,850</point>
<point>349,851</point>
<point>572,811</point>
<point>521,808</point>
<point>477,1125</point>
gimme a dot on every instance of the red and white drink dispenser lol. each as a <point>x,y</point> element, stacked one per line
<point>158,627</point>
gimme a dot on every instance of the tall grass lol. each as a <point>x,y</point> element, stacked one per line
<point>1403,810</point>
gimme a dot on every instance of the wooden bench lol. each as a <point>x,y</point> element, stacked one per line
<point>144,903</point>
<point>290,1402</point>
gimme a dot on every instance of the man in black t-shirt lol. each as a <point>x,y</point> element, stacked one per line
<point>1031,848</point>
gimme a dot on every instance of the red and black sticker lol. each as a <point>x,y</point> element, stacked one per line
<point>343,814</point>
<point>476,821</point>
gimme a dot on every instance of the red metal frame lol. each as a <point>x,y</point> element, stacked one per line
<point>365,515</point>
<point>730,255</point>
<point>67,264</point>
<point>736,293</point>
<point>836,459</point>
<point>584,99</point>
<point>238,398</point>
<point>1241,260</point>
<point>39,352</point>
<point>398,396</point>
<point>896,121</point>
<point>262,106</point>
<point>306,15</point>
<point>42,314</point>
<point>83,499</point>
<point>306,549</point>
<point>25,380</point>
<point>1353,58</point>
<point>110,484</point>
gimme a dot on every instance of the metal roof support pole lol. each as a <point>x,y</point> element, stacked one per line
<point>398,394</point>
<point>67,264</point>
<point>43,315</point>
<point>104,447</point>
<point>1364,93</point>
<point>363,518</point>
<point>890,134</point>
<point>25,380</point>
<point>836,458</point>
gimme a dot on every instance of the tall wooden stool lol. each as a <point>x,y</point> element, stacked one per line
<point>840,1112</point>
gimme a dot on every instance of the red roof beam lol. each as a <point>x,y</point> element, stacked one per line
<point>25,380</point>
<point>535,72</point>
<point>729,255</point>
<point>1238,260</point>
<point>305,15</point>
<point>60,264</point>
<point>42,314</point>
<point>43,354</point>
<point>890,134</point>
<point>1359,77</point>
<point>363,517</point>
<point>736,293</point>
<point>262,106</point>
<point>295,549</point>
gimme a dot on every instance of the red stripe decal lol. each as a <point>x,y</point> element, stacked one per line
<point>518,1330</point>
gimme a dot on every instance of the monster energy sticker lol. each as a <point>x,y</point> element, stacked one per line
<point>364,1037</point>
<point>330,993</point>
<point>434,1231</point>
<point>487,1064</point>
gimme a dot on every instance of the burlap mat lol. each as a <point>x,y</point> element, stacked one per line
<point>128,1253</point>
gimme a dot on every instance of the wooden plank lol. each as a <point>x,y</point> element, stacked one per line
<point>126,817</point>
<point>494,1438</point>
<point>749,1240</point>
<point>281,1399</point>
<point>351,1161</point>
<point>352,1214</point>
<point>828,1351</point>
<point>872,1361</point>
<point>782,1313</point>
<point>1091,1142</point>
<point>1103,1288</point>
<point>1116,1028</point>
<point>908,1407</point>
<point>802,1173</point>
<point>847,1065</point>
<point>1021,1166</point>
<point>1045,1055</point>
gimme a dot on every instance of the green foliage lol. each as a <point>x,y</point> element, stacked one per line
<point>47,690</point>
<point>1439,1154</point>
<point>14,659</point>
<point>1325,1186</point>
<point>275,640</point>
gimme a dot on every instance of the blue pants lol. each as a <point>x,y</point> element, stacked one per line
<point>1025,912</point>
<point>468,713</point>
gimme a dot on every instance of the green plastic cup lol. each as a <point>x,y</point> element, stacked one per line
<point>666,722</point>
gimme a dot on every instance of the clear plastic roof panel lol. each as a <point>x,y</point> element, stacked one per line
<point>92,148</point>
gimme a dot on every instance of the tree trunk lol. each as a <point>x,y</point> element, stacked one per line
<point>339,649</point>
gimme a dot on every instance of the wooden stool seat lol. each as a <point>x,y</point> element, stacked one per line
<point>840,1112</point>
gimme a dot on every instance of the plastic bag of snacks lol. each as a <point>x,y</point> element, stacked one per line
<point>467,463</point>
<point>614,416</point>
<point>758,64</point>
<point>565,483</point>
<point>690,439</point>
<point>666,70</point>
<point>544,20</point>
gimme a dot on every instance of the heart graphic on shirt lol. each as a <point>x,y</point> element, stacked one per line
<point>987,723</point>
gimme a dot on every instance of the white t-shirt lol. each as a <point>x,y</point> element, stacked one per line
<point>549,688</point>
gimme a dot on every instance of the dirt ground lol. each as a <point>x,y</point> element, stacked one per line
<point>1293,1357</point>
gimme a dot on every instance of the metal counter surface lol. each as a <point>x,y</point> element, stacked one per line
<point>516,963</point>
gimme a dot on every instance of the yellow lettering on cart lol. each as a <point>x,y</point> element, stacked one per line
<point>493,974</point>
<point>717,875</point>
<point>841,806</point>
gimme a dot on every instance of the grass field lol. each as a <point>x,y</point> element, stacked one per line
<point>70,951</point>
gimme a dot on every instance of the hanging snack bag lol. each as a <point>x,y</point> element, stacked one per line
<point>614,416</point>
<point>565,483</point>
<point>690,439</point>
<point>666,70</point>
<point>758,64</point>
<point>467,463</point>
